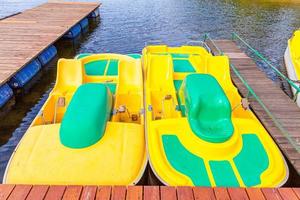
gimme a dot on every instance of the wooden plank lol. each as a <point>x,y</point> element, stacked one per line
<point>72,193</point>
<point>20,192</point>
<point>151,193</point>
<point>134,193</point>
<point>255,193</point>
<point>118,193</point>
<point>147,192</point>
<point>88,193</point>
<point>276,101</point>
<point>238,194</point>
<point>27,34</point>
<point>37,192</point>
<point>168,193</point>
<point>287,193</point>
<point>103,193</point>
<point>271,194</point>
<point>5,191</point>
<point>185,193</point>
<point>55,192</point>
<point>297,192</point>
<point>204,193</point>
<point>221,193</point>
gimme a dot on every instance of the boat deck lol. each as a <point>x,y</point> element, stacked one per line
<point>38,192</point>
<point>277,102</point>
<point>24,36</point>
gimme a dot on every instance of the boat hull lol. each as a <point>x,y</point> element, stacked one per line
<point>177,155</point>
<point>118,157</point>
<point>291,72</point>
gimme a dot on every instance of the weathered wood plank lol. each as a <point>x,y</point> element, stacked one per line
<point>134,193</point>
<point>27,34</point>
<point>151,193</point>
<point>297,192</point>
<point>287,193</point>
<point>185,193</point>
<point>271,193</point>
<point>255,193</point>
<point>144,192</point>
<point>280,105</point>
<point>5,191</point>
<point>88,193</point>
<point>72,193</point>
<point>221,193</point>
<point>103,193</point>
<point>55,192</point>
<point>204,193</point>
<point>237,194</point>
<point>118,193</point>
<point>168,193</point>
<point>37,192</point>
<point>20,192</point>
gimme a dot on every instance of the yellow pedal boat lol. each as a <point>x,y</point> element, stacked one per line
<point>90,131</point>
<point>292,60</point>
<point>197,131</point>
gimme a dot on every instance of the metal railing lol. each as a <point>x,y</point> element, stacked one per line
<point>236,37</point>
<point>251,93</point>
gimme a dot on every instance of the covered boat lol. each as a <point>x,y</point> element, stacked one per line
<point>198,133</point>
<point>292,61</point>
<point>90,131</point>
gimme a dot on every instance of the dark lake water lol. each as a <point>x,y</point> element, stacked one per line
<point>127,25</point>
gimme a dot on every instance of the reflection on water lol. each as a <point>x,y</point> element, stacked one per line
<point>126,26</point>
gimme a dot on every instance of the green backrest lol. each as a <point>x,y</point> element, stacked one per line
<point>85,119</point>
<point>207,107</point>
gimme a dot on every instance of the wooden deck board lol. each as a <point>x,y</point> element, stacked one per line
<point>38,192</point>
<point>24,36</point>
<point>20,192</point>
<point>144,193</point>
<point>88,193</point>
<point>103,193</point>
<point>280,105</point>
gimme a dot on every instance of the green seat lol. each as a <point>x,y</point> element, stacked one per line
<point>207,107</point>
<point>85,119</point>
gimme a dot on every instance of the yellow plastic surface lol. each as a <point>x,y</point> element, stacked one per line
<point>294,45</point>
<point>119,158</point>
<point>163,118</point>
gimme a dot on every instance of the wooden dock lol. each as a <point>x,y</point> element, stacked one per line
<point>28,192</point>
<point>280,105</point>
<point>26,35</point>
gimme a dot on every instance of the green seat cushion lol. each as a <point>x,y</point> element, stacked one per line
<point>207,107</point>
<point>112,87</point>
<point>85,119</point>
<point>184,161</point>
<point>177,84</point>
<point>135,55</point>
<point>182,66</point>
<point>179,55</point>
<point>112,69</point>
<point>82,55</point>
<point>252,161</point>
<point>95,68</point>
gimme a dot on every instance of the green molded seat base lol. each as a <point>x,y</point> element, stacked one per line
<point>207,107</point>
<point>250,162</point>
<point>85,119</point>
